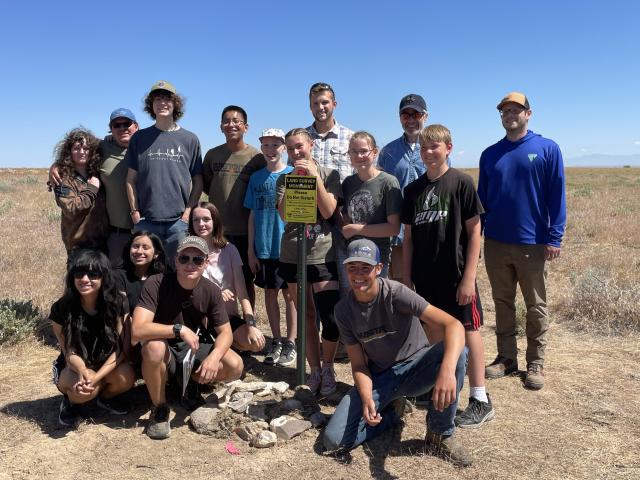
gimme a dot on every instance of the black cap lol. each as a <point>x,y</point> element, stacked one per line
<point>413,101</point>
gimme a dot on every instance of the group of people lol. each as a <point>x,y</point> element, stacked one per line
<point>153,272</point>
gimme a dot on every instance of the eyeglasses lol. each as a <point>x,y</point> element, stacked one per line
<point>408,116</point>
<point>235,122</point>
<point>360,153</point>
<point>197,260</point>
<point>360,269</point>
<point>92,274</point>
<point>507,111</point>
<point>124,125</point>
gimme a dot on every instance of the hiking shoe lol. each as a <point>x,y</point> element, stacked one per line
<point>327,380</point>
<point>399,406</point>
<point>501,367</point>
<point>192,398</point>
<point>448,448</point>
<point>288,355</point>
<point>275,351</point>
<point>535,376</point>
<point>69,413</point>
<point>476,413</point>
<point>313,381</point>
<point>115,405</point>
<point>159,427</point>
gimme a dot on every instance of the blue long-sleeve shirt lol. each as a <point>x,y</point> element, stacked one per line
<point>521,186</point>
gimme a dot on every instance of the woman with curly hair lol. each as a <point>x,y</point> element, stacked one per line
<point>88,323</point>
<point>84,222</point>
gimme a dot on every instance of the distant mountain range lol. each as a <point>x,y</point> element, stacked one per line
<point>602,160</point>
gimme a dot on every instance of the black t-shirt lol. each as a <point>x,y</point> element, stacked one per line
<point>201,307</point>
<point>130,284</point>
<point>437,211</point>
<point>92,332</point>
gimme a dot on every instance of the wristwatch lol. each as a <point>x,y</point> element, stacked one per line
<point>176,330</point>
<point>250,321</point>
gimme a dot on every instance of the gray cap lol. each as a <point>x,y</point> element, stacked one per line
<point>363,250</point>
<point>194,242</point>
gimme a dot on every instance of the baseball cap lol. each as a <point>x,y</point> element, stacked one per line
<point>122,113</point>
<point>163,85</point>
<point>515,97</point>
<point>272,132</point>
<point>193,242</point>
<point>413,101</point>
<point>363,250</point>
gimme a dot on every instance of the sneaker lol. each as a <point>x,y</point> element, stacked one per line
<point>535,376</point>
<point>69,414</point>
<point>275,351</point>
<point>327,380</point>
<point>159,427</point>
<point>115,405</point>
<point>448,448</point>
<point>476,413</point>
<point>288,355</point>
<point>192,398</point>
<point>313,381</point>
<point>399,406</point>
<point>501,367</point>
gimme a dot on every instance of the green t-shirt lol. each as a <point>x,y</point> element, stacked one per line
<point>226,177</point>
<point>372,202</point>
<point>319,243</point>
<point>113,175</point>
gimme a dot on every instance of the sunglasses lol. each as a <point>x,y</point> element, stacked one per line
<point>197,260</point>
<point>92,274</point>
<point>121,124</point>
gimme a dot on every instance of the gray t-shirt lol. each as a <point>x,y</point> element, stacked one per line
<point>372,202</point>
<point>388,328</point>
<point>165,162</point>
<point>319,243</point>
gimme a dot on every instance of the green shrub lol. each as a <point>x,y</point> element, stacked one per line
<point>18,320</point>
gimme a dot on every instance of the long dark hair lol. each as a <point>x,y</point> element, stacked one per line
<point>217,235</point>
<point>62,152</point>
<point>108,306</point>
<point>158,264</point>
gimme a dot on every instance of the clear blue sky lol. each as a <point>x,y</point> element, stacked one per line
<point>70,63</point>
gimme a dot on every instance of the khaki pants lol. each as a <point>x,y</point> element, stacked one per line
<point>508,265</point>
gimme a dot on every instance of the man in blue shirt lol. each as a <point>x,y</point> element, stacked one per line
<point>401,158</point>
<point>521,186</point>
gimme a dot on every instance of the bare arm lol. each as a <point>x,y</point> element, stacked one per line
<point>194,196</point>
<point>374,230</point>
<point>467,289</point>
<point>362,381</point>
<point>132,195</point>
<point>254,264</point>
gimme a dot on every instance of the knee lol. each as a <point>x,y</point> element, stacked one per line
<point>233,366</point>
<point>331,440</point>
<point>154,351</point>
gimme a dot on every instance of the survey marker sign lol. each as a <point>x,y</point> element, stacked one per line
<point>300,193</point>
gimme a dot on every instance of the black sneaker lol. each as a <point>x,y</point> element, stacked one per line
<point>275,351</point>
<point>288,355</point>
<point>192,398</point>
<point>115,405</point>
<point>476,413</point>
<point>69,414</point>
<point>159,427</point>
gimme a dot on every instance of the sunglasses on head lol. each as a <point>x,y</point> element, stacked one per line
<point>126,124</point>
<point>92,274</point>
<point>197,260</point>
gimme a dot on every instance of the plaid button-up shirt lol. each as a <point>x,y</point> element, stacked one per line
<point>331,150</point>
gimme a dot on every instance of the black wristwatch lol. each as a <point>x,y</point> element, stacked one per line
<point>176,330</point>
<point>250,321</point>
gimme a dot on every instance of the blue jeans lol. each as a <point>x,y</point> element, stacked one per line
<point>170,233</point>
<point>410,378</point>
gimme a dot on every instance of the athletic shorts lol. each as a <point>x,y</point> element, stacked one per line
<point>241,242</point>
<point>469,315</point>
<point>324,272</point>
<point>268,275</point>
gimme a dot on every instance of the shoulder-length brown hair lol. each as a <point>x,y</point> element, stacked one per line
<point>219,241</point>
<point>62,152</point>
<point>178,104</point>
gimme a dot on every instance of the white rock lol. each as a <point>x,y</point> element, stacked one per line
<point>250,386</point>
<point>280,387</point>
<point>201,419</point>
<point>249,430</point>
<point>286,427</point>
<point>264,439</point>
<point>240,401</point>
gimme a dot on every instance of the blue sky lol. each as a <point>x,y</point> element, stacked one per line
<point>70,63</point>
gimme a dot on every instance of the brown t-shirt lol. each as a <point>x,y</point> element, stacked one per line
<point>226,177</point>
<point>201,307</point>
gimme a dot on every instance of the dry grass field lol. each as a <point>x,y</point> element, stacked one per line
<point>585,423</point>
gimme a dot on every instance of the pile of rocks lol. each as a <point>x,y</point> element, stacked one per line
<point>260,413</point>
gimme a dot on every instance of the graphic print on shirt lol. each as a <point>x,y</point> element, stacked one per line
<point>170,154</point>
<point>430,208</point>
<point>374,334</point>
<point>265,197</point>
<point>361,207</point>
<point>314,231</point>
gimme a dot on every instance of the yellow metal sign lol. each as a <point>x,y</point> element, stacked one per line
<point>300,199</point>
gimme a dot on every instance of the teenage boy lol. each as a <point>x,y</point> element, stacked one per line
<point>177,312</point>
<point>322,271</point>
<point>441,217</point>
<point>401,158</point>
<point>227,169</point>
<point>381,323</point>
<point>265,234</point>
<point>521,185</point>
<point>164,180</point>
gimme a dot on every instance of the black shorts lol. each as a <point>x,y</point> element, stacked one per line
<point>241,242</point>
<point>324,272</point>
<point>268,275</point>
<point>469,315</point>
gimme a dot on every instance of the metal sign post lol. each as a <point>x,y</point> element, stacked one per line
<point>302,304</point>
